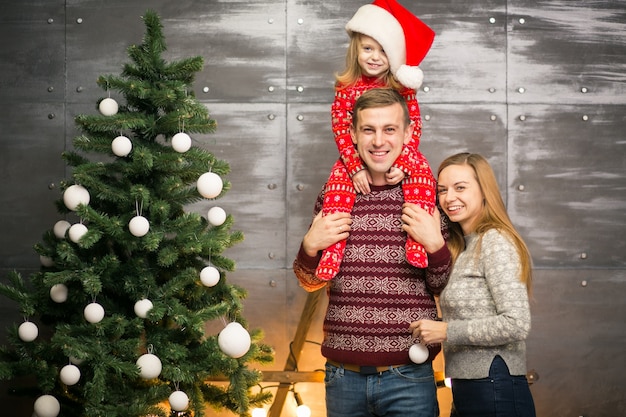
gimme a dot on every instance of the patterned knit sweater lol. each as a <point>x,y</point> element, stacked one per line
<point>486,308</point>
<point>377,293</point>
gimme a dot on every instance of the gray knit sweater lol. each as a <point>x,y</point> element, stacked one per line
<point>486,308</point>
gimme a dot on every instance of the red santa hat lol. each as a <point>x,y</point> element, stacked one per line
<point>405,39</point>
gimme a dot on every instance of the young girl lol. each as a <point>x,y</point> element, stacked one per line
<point>485,308</point>
<point>387,43</point>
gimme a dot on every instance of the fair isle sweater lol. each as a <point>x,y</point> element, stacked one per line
<point>377,293</point>
<point>486,307</point>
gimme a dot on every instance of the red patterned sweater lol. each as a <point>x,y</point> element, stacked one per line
<point>376,293</point>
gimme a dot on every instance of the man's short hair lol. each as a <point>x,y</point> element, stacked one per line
<point>379,97</point>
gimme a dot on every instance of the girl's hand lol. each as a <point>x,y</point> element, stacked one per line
<point>361,181</point>
<point>394,176</point>
<point>429,331</point>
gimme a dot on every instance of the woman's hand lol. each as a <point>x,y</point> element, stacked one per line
<point>423,227</point>
<point>326,231</point>
<point>429,331</point>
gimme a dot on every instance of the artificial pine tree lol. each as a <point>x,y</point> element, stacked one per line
<point>136,276</point>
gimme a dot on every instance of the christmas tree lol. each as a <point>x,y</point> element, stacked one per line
<point>115,318</point>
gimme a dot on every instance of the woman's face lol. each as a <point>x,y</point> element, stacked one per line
<point>460,195</point>
<point>372,58</point>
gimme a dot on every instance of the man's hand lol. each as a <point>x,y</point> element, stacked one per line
<point>423,227</point>
<point>326,231</point>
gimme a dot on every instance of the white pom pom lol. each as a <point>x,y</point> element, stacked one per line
<point>28,331</point>
<point>47,406</point>
<point>58,293</point>
<point>209,185</point>
<point>142,307</point>
<point>418,353</point>
<point>149,366</point>
<point>70,374</point>
<point>181,142</point>
<point>210,276</point>
<point>139,226</point>
<point>234,340</point>
<point>121,146</point>
<point>411,77</point>
<point>60,228</point>
<point>94,313</point>
<point>77,231</point>
<point>179,401</point>
<point>75,195</point>
<point>216,216</point>
<point>108,107</point>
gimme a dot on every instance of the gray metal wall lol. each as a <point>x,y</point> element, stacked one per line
<point>537,87</point>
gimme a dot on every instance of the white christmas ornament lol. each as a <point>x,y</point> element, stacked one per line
<point>142,307</point>
<point>209,185</point>
<point>121,146</point>
<point>46,261</point>
<point>209,276</point>
<point>179,401</point>
<point>108,107</point>
<point>149,366</point>
<point>234,340</point>
<point>94,313</point>
<point>47,406</point>
<point>139,226</point>
<point>216,216</point>
<point>70,374</point>
<point>28,331</point>
<point>181,142</point>
<point>418,353</point>
<point>75,195</point>
<point>77,231</point>
<point>60,228</point>
<point>58,293</point>
<point>76,361</point>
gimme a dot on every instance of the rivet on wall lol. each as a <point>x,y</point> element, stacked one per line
<point>426,89</point>
<point>270,88</point>
<point>270,20</point>
<point>427,117</point>
<point>79,20</point>
<point>79,89</point>
<point>300,117</point>
<point>205,89</point>
<point>50,89</point>
<point>299,187</point>
<point>273,283</point>
<point>521,90</point>
<point>271,255</point>
<point>300,21</point>
<point>51,116</point>
<point>583,255</point>
<point>271,116</point>
<point>271,186</point>
<point>300,89</point>
<point>585,117</point>
<point>493,117</point>
<point>522,20</point>
<point>492,90</point>
<point>492,20</point>
<point>521,187</point>
<point>583,283</point>
<point>52,186</point>
<point>584,90</point>
<point>522,117</point>
<point>50,20</point>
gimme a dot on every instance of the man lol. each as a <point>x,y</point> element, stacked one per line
<point>377,293</point>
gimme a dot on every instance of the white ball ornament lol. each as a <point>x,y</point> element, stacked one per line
<point>70,374</point>
<point>46,261</point>
<point>209,276</point>
<point>76,361</point>
<point>179,401</point>
<point>28,331</point>
<point>142,307</point>
<point>216,216</point>
<point>77,231</point>
<point>234,340</point>
<point>209,185</point>
<point>75,195</point>
<point>58,293</point>
<point>60,228</point>
<point>418,353</point>
<point>108,107</point>
<point>94,313</point>
<point>47,406</point>
<point>149,366</point>
<point>181,142</point>
<point>139,226</point>
<point>121,146</point>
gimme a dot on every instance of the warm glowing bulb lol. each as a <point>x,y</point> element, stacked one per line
<point>303,411</point>
<point>448,382</point>
<point>259,412</point>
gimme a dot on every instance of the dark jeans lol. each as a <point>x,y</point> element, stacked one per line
<point>499,395</point>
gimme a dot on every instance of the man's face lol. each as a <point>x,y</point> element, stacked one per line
<point>379,137</point>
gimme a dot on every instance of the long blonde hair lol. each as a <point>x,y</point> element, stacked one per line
<point>353,72</point>
<point>494,214</point>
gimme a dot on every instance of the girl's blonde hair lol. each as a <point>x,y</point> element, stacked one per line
<point>352,73</point>
<point>494,214</point>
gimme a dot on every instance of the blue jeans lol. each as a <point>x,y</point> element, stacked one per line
<point>407,390</point>
<point>499,395</point>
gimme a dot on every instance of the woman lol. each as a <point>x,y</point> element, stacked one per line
<point>485,311</point>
